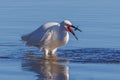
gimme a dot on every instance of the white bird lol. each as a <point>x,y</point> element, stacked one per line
<point>50,36</point>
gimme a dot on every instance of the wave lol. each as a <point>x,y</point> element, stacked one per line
<point>89,55</point>
<point>96,55</point>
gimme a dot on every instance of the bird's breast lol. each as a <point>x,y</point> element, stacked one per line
<point>57,39</point>
<point>64,38</point>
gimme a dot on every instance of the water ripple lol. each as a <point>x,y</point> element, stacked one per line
<point>89,55</point>
<point>96,55</point>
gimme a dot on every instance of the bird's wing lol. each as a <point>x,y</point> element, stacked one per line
<point>46,36</point>
<point>41,36</point>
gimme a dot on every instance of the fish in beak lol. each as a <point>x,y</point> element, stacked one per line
<point>69,27</point>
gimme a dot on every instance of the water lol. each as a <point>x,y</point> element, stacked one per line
<point>98,43</point>
<point>99,20</point>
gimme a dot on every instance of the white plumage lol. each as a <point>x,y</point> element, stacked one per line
<point>50,36</point>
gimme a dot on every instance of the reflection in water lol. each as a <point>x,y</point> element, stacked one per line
<point>46,69</point>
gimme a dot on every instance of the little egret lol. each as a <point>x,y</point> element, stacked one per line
<point>50,36</point>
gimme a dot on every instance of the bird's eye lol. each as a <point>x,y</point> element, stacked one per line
<point>67,25</point>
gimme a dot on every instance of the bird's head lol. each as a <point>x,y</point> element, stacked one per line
<point>68,25</point>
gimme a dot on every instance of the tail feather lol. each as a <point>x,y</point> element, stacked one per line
<point>25,37</point>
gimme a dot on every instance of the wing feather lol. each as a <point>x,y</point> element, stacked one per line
<point>41,36</point>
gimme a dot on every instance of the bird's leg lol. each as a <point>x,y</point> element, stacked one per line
<point>52,53</point>
<point>46,53</point>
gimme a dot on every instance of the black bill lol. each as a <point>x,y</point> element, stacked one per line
<point>74,35</point>
<point>76,28</point>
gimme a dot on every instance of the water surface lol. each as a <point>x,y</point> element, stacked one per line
<point>97,51</point>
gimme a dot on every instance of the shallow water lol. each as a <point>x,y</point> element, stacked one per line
<point>76,64</point>
<point>97,51</point>
<point>36,67</point>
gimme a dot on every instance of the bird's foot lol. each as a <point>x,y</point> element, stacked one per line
<point>52,56</point>
<point>46,56</point>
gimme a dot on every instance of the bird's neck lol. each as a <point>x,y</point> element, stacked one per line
<point>62,30</point>
<point>64,36</point>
